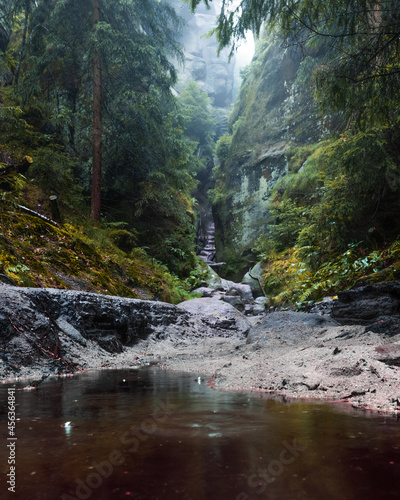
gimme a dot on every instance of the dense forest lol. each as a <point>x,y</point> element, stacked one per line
<point>87,104</point>
<point>94,137</point>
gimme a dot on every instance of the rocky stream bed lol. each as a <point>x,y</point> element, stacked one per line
<point>347,349</point>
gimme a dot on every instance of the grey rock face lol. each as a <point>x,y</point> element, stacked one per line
<point>38,325</point>
<point>377,306</point>
<point>217,314</point>
<point>214,74</point>
<point>273,112</point>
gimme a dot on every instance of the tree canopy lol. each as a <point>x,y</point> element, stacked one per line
<point>360,38</point>
<point>198,122</point>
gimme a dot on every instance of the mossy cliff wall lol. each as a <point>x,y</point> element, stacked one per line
<point>275,110</point>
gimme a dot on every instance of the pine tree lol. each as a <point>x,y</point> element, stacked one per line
<point>114,50</point>
<point>102,77</point>
<point>27,12</point>
<point>97,121</point>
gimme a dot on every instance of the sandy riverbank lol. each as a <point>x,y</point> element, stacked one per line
<point>333,363</point>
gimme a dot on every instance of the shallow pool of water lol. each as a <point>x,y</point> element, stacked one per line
<point>152,434</point>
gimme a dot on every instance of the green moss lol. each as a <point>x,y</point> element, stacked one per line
<point>124,240</point>
<point>35,253</point>
<point>297,156</point>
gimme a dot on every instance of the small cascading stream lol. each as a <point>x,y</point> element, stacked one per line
<point>239,295</point>
<point>208,251</point>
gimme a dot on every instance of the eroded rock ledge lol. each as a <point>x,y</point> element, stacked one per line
<point>52,329</point>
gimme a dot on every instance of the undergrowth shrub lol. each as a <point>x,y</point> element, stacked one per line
<point>355,265</point>
<point>52,169</point>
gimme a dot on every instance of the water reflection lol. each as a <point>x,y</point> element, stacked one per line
<point>153,434</point>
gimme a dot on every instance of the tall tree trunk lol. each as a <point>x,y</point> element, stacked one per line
<point>23,46</point>
<point>97,123</point>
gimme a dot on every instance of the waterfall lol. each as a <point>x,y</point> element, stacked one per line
<point>208,252</point>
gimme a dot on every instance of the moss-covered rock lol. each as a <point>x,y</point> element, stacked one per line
<point>274,112</point>
<point>124,240</point>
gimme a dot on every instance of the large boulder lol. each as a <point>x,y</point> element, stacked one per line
<point>238,295</point>
<point>241,290</point>
<point>260,305</point>
<point>377,306</point>
<point>217,315</point>
<point>253,279</point>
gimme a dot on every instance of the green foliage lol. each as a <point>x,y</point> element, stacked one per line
<point>83,257</point>
<point>221,194</point>
<point>223,147</point>
<point>198,124</point>
<point>124,240</point>
<point>52,168</point>
<point>153,147</point>
<point>334,215</point>
<point>148,163</point>
<point>288,279</point>
<point>298,156</point>
<point>305,71</point>
<point>16,133</point>
<point>301,186</point>
<point>289,221</point>
<point>360,183</point>
<point>199,273</point>
<point>342,272</point>
<point>198,121</point>
<point>277,270</point>
<point>336,231</point>
<point>343,193</point>
<point>11,184</point>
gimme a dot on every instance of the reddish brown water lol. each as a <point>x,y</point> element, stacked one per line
<point>152,434</point>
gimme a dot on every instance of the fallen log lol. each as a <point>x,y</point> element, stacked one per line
<point>36,214</point>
